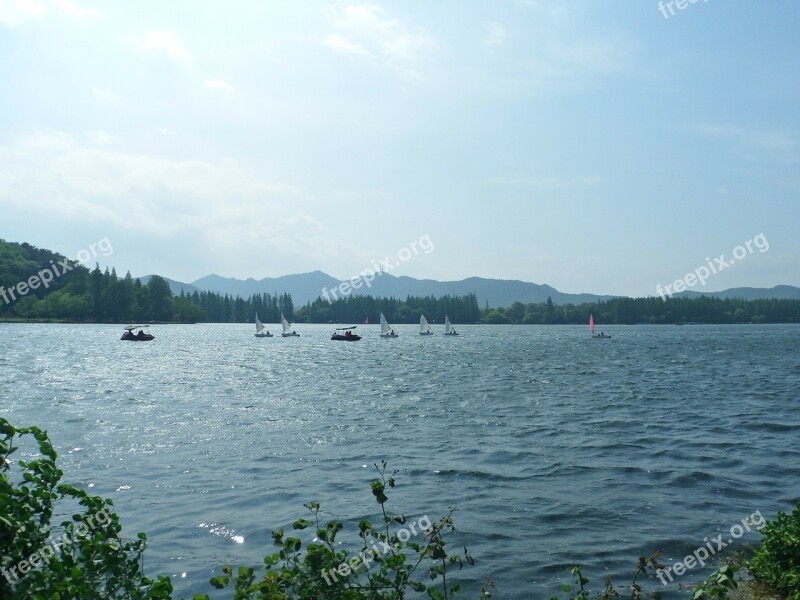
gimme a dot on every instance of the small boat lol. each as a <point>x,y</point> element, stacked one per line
<point>424,328</point>
<point>448,327</point>
<point>140,336</point>
<point>601,335</point>
<point>260,331</point>
<point>347,336</point>
<point>386,330</point>
<point>286,327</point>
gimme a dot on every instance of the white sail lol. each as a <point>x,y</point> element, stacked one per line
<point>259,325</point>
<point>423,325</point>
<point>286,325</point>
<point>384,325</point>
<point>448,326</point>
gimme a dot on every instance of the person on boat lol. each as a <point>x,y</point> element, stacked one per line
<point>141,334</point>
<point>347,334</point>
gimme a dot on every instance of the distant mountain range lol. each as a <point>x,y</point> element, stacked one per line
<point>307,287</point>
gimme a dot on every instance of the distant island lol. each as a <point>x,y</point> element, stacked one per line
<point>73,293</point>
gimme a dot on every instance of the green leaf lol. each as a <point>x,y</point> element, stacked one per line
<point>301,524</point>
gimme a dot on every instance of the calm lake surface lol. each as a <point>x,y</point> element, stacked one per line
<point>557,449</point>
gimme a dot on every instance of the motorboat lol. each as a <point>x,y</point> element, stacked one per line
<point>345,334</point>
<point>140,336</point>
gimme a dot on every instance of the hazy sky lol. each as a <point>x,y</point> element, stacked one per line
<point>594,146</point>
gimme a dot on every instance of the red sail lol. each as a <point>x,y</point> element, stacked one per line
<point>591,323</point>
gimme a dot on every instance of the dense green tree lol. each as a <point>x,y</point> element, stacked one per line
<point>160,299</point>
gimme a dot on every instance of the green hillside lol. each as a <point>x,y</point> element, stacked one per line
<point>37,284</point>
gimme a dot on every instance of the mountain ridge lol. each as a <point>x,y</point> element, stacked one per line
<point>306,287</point>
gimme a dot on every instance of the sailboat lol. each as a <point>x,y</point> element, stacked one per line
<point>591,328</point>
<point>286,327</point>
<point>386,330</point>
<point>424,328</point>
<point>260,331</point>
<point>448,327</point>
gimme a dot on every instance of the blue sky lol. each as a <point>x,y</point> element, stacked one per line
<point>593,146</point>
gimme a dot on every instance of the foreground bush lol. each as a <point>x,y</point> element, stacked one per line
<point>777,560</point>
<point>83,557</point>
<point>718,586</point>
<point>395,558</point>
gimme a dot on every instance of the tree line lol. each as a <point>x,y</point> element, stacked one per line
<point>81,295</point>
<point>652,310</point>
<point>357,309</point>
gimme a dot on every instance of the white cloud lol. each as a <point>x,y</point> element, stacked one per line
<point>70,9</point>
<point>341,44</point>
<point>105,96</point>
<point>14,13</point>
<point>370,31</point>
<point>101,138</point>
<point>224,206</point>
<point>54,173</point>
<point>496,35</point>
<point>218,85</point>
<point>167,42</point>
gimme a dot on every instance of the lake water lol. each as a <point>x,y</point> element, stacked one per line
<point>557,449</point>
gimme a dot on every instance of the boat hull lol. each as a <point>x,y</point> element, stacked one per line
<point>388,335</point>
<point>290,335</point>
<point>263,334</point>
<point>345,338</point>
<point>133,338</point>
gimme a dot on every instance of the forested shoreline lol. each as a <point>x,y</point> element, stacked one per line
<point>93,296</point>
